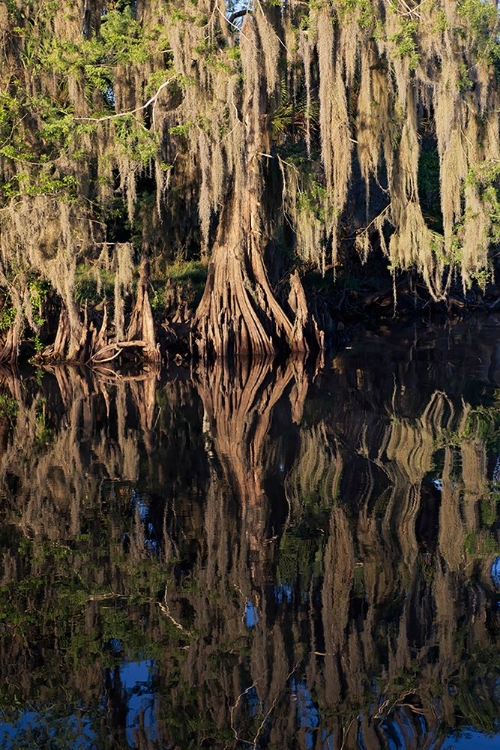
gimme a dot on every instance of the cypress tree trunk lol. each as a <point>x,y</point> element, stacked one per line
<point>142,326</point>
<point>239,312</point>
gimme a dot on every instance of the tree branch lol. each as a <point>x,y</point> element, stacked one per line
<point>150,101</point>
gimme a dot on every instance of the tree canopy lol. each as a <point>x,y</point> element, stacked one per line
<point>260,141</point>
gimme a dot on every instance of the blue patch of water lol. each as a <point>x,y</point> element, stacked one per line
<point>308,716</point>
<point>251,615</point>
<point>136,680</point>
<point>471,739</point>
<point>495,572</point>
<point>283,593</point>
<point>38,728</point>
<point>43,729</point>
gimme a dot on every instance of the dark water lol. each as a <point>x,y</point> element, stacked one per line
<point>268,558</point>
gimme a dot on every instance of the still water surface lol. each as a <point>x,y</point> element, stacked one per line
<point>273,557</point>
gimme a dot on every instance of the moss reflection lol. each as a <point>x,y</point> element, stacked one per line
<point>237,559</point>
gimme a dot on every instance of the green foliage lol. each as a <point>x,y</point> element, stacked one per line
<point>405,40</point>
<point>291,118</point>
<point>488,508</point>
<point>481,21</point>
<point>429,185</point>
<point>189,270</point>
<point>38,290</point>
<point>44,433</point>
<point>362,10</point>
<point>482,426</point>
<point>481,543</point>
<point>485,177</point>
<point>56,132</point>
<point>441,22</point>
<point>122,40</point>
<point>312,198</point>
<point>181,130</point>
<point>7,315</point>
<point>156,79</point>
<point>12,142</point>
<point>302,546</point>
<point>184,283</point>
<point>94,59</point>
<point>41,183</point>
<point>93,285</point>
<point>8,408</point>
<point>137,143</point>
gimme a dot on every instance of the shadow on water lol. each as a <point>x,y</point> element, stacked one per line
<point>264,557</point>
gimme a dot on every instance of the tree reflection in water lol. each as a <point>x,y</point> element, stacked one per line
<point>264,557</point>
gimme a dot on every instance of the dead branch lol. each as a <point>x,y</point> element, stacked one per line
<point>151,100</point>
